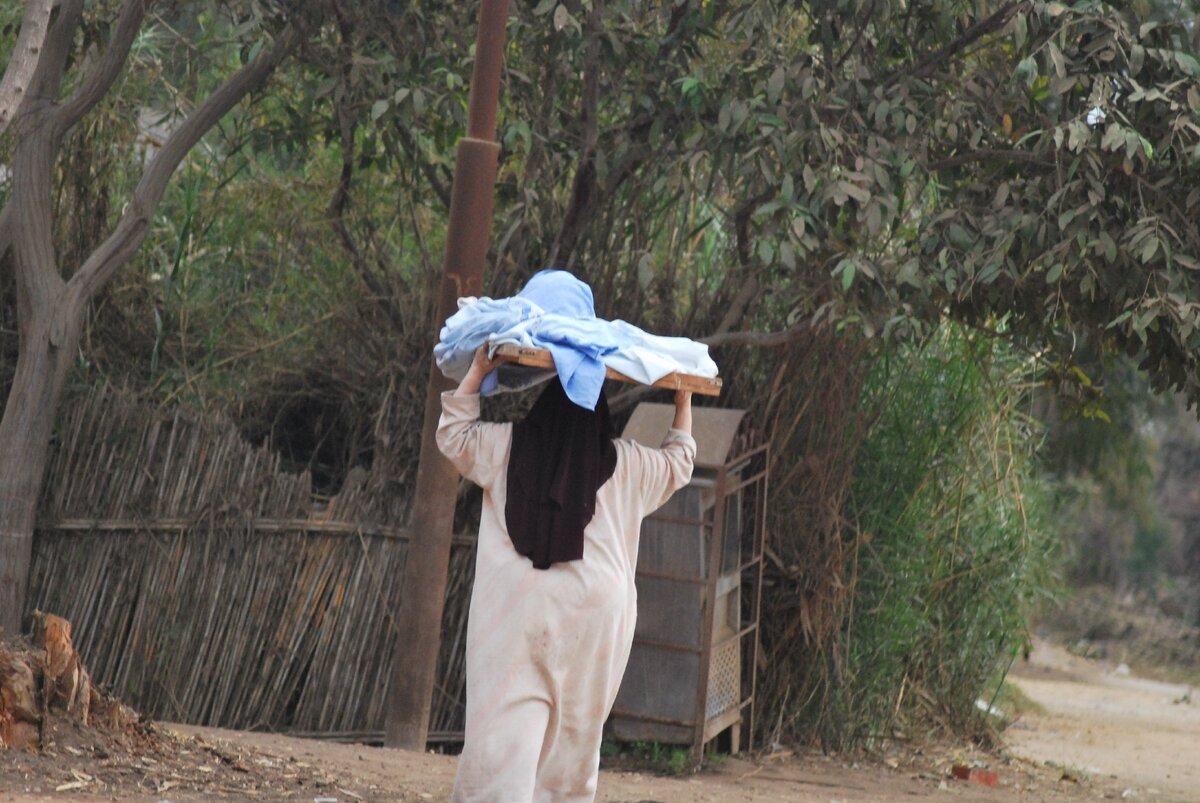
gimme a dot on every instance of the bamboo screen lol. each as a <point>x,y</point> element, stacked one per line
<point>206,586</point>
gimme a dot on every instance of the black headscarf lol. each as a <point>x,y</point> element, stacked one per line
<point>561,455</point>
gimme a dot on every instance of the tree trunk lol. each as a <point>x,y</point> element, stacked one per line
<point>24,446</point>
<point>49,321</point>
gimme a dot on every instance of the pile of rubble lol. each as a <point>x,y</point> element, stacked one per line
<point>45,689</point>
<point>60,733</point>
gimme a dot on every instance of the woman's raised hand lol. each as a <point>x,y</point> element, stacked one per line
<point>482,362</point>
<point>481,366</point>
<point>683,411</point>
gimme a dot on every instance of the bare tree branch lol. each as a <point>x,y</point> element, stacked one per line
<point>133,226</point>
<point>759,339</point>
<point>989,24</point>
<point>588,193</point>
<point>862,29</point>
<point>749,289</point>
<point>747,293</point>
<point>336,211</point>
<point>991,155</point>
<point>23,63</point>
<point>439,183</point>
<point>584,191</point>
<point>99,79</point>
<point>48,75</point>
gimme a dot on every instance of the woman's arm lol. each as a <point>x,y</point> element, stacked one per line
<point>478,450</point>
<point>683,411</point>
<point>657,473</point>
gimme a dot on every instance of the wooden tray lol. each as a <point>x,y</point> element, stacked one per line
<point>540,358</point>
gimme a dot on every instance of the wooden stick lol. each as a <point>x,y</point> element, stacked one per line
<point>288,526</point>
<point>540,358</point>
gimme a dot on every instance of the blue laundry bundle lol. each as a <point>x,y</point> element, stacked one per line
<point>555,311</point>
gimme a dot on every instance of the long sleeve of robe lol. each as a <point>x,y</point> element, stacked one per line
<point>546,649</point>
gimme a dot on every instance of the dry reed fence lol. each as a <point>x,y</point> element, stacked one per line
<point>206,587</point>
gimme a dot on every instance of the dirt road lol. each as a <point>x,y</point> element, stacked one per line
<point>1103,722</point>
<point>1101,735</point>
<point>1111,734</point>
<point>381,774</point>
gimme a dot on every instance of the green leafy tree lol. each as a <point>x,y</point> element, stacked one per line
<point>53,297</point>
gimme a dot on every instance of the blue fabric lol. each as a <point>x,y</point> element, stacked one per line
<point>571,332</point>
<point>577,346</point>
<point>560,293</point>
<point>555,311</point>
<point>469,328</point>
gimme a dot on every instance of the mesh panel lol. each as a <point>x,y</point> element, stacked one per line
<point>724,679</point>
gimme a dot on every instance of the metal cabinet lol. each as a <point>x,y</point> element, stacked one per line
<point>699,579</point>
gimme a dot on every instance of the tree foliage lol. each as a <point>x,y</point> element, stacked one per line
<point>768,166</point>
<point>877,164</point>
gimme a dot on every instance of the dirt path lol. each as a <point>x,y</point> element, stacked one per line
<point>382,774</point>
<point>1114,735</point>
<point>1106,723</point>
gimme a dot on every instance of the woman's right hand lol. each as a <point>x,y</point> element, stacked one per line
<point>482,363</point>
<point>481,366</point>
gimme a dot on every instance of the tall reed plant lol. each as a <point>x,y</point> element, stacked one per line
<point>949,551</point>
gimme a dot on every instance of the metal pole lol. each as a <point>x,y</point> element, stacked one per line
<point>414,661</point>
<point>716,547</point>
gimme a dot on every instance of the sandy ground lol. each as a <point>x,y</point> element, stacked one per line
<point>382,774</point>
<point>1102,735</point>
<point>1101,721</point>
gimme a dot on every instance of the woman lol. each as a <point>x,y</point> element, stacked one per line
<point>554,603</point>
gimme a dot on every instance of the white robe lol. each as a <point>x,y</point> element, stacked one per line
<point>546,649</point>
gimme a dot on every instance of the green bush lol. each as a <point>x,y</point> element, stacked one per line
<point>950,550</point>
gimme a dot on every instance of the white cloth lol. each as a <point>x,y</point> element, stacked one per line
<point>546,649</point>
<point>651,357</point>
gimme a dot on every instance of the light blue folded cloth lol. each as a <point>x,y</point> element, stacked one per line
<point>555,311</point>
<point>574,336</point>
<point>476,320</point>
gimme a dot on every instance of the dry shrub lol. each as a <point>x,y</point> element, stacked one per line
<point>812,416</point>
<point>905,540</point>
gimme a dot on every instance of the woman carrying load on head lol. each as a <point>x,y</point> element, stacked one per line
<point>554,603</point>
